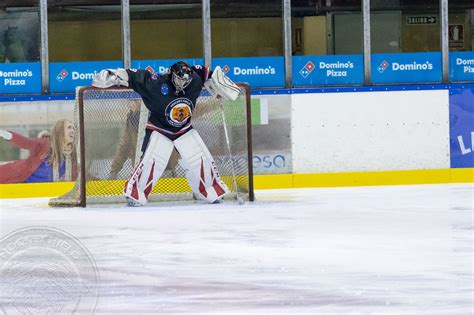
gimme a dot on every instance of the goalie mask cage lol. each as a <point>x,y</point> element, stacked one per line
<point>109,131</point>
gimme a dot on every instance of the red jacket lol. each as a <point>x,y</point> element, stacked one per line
<point>18,171</point>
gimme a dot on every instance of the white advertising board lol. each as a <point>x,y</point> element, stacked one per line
<point>370,131</point>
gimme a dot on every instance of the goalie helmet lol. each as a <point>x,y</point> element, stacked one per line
<point>181,75</point>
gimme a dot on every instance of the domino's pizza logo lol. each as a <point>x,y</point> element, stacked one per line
<point>154,75</point>
<point>62,75</point>
<point>383,66</point>
<point>150,69</point>
<point>307,69</point>
<point>226,69</point>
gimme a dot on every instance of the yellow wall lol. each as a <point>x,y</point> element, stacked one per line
<point>245,37</point>
<point>314,35</point>
<point>232,37</point>
<point>84,40</point>
<point>164,39</point>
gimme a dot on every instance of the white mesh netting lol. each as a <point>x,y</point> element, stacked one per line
<point>112,124</point>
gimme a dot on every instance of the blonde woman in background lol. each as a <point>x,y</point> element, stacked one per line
<point>52,157</point>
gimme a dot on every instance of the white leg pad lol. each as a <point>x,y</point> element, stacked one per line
<point>201,171</point>
<point>149,170</point>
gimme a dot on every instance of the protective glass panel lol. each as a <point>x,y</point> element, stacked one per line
<point>84,31</point>
<point>246,28</point>
<point>19,34</point>
<point>165,30</point>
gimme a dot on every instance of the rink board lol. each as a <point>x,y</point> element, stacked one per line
<point>278,181</point>
<point>370,131</point>
<point>322,137</point>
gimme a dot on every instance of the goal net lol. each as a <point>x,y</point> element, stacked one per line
<point>110,127</point>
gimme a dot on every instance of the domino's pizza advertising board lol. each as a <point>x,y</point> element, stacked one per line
<point>65,76</point>
<point>328,70</point>
<point>257,71</point>
<point>20,78</point>
<point>461,126</point>
<point>461,66</point>
<point>161,66</point>
<point>406,67</point>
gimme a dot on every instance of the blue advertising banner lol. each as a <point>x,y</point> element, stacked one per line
<point>406,67</point>
<point>461,127</point>
<point>257,71</point>
<point>160,66</point>
<point>461,66</point>
<point>65,76</point>
<point>328,70</point>
<point>20,78</point>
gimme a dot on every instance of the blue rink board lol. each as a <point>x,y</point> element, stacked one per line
<point>461,103</point>
<point>461,127</point>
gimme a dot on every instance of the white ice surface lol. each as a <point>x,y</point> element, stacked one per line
<point>368,250</point>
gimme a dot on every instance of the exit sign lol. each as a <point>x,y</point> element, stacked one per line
<point>422,20</point>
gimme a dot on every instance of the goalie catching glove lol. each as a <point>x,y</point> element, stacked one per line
<point>220,85</point>
<point>110,77</point>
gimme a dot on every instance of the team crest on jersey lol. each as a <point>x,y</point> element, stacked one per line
<point>164,89</point>
<point>178,112</point>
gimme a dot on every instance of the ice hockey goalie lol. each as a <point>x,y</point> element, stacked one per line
<point>171,98</point>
